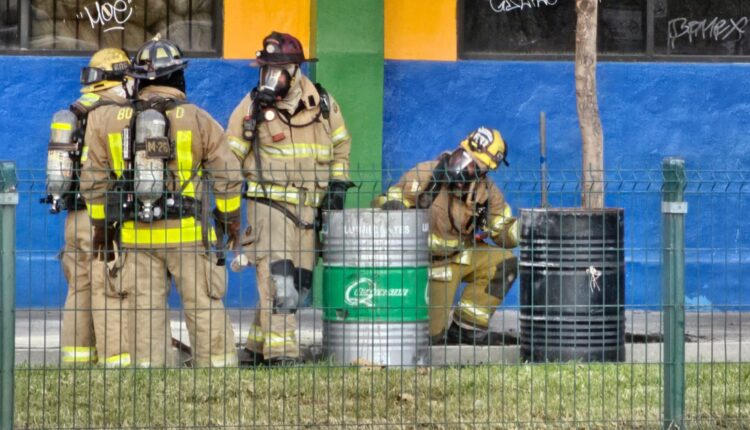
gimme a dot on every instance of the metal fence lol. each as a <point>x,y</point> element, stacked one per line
<point>618,319</point>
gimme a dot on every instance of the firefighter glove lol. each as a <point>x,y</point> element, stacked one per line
<point>230,224</point>
<point>393,205</point>
<point>103,242</point>
<point>335,196</point>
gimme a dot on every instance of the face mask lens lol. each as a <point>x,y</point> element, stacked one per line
<point>462,168</point>
<point>275,79</point>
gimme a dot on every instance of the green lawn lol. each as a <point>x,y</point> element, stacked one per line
<point>520,396</point>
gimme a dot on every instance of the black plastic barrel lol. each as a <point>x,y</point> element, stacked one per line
<point>572,285</point>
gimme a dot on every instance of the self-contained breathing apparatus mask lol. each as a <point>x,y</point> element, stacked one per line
<point>461,169</point>
<point>63,160</point>
<point>275,83</point>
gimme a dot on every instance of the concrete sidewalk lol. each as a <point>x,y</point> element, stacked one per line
<point>712,336</point>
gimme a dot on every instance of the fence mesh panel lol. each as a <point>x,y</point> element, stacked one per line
<point>371,351</point>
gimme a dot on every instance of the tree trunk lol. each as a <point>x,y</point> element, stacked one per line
<point>588,106</point>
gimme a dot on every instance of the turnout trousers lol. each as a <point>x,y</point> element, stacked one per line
<point>483,269</point>
<point>280,248</point>
<point>148,273</point>
<point>94,317</point>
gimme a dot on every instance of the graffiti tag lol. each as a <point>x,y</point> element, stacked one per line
<point>114,13</point>
<point>716,29</point>
<point>501,6</point>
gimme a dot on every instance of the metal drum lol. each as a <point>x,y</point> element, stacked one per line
<point>572,285</point>
<point>375,278</point>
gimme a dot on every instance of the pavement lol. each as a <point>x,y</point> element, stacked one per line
<point>710,337</point>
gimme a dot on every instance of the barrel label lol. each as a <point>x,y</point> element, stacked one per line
<point>362,291</point>
<point>375,294</point>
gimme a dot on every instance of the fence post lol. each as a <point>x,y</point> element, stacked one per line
<point>8,203</point>
<point>673,209</point>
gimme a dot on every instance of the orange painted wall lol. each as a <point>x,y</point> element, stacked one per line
<point>247,22</point>
<point>430,37</point>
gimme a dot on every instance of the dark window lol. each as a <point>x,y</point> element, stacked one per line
<point>657,29</point>
<point>9,24</point>
<point>87,25</point>
<point>547,26</point>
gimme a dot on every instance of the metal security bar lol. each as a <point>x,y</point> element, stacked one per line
<point>580,323</point>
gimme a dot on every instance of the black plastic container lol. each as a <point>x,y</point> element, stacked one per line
<point>572,285</point>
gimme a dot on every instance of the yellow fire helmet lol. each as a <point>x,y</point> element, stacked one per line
<point>487,146</point>
<point>106,69</point>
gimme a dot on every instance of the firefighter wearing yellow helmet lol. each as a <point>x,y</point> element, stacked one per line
<point>92,324</point>
<point>466,209</point>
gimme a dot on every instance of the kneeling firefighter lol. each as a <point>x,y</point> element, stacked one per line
<point>93,319</point>
<point>291,138</point>
<point>155,157</point>
<point>466,207</point>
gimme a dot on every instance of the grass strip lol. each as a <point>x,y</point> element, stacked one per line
<point>525,396</point>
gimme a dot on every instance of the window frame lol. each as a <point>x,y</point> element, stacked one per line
<point>648,56</point>
<point>24,37</point>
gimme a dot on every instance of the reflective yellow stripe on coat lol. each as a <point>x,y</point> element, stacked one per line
<point>297,150</point>
<point>184,154</point>
<point>115,151</point>
<point>96,211</point>
<point>279,193</point>
<point>188,232</point>
<point>339,135</point>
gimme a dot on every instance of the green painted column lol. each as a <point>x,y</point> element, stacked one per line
<point>347,38</point>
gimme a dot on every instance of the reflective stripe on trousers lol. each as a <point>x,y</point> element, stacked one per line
<point>79,354</point>
<point>119,360</point>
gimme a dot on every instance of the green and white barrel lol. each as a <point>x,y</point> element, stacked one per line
<point>375,295</point>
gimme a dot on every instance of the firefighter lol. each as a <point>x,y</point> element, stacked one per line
<point>92,325</point>
<point>466,208</point>
<point>291,139</point>
<point>155,159</point>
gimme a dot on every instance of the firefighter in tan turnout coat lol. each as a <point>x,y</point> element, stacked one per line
<point>466,207</point>
<point>294,147</point>
<point>154,159</point>
<point>92,325</point>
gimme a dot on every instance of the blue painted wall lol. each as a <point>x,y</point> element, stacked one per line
<point>699,112</point>
<point>696,111</point>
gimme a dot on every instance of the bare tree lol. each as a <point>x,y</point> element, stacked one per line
<point>588,105</point>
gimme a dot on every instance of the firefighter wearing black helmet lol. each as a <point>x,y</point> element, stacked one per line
<point>157,157</point>
<point>291,139</point>
<point>466,208</point>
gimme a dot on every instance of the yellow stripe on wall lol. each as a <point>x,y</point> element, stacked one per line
<point>431,36</point>
<point>246,23</point>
